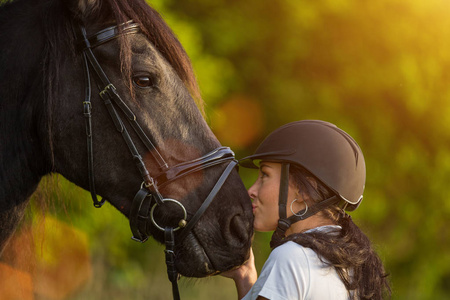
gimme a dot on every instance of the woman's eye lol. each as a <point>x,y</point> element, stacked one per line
<point>143,81</point>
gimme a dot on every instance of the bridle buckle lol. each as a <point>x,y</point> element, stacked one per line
<point>106,90</point>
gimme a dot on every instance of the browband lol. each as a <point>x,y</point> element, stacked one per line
<point>108,34</point>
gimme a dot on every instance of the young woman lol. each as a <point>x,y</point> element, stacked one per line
<point>310,173</point>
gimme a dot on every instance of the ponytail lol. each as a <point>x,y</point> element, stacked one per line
<point>348,250</point>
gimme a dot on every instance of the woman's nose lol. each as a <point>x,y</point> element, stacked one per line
<point>252,192</point>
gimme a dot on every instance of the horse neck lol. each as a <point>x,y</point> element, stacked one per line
<point>24,157</point>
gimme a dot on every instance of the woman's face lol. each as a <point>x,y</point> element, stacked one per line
<point>264,193</point>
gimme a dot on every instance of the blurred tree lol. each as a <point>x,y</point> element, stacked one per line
<point>380,70</point>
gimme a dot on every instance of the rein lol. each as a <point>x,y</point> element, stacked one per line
<point>148,197</point>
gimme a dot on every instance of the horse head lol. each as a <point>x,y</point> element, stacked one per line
<point>149,84</point>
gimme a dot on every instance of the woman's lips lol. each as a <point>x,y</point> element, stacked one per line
<point>254,208</point>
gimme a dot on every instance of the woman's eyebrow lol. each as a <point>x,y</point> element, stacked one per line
<point>263,165</point>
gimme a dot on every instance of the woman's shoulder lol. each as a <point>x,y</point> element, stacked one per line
<point>289,246</point>
<point>295,256</point>
<point>290,252</point>
<point>280,268</point>
<point>308,271</point>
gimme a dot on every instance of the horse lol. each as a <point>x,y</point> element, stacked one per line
<point>103,93</point>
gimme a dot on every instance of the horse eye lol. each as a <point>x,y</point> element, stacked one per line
<point>143,81</point>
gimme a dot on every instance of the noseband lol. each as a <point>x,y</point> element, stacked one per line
<point>148,198</point>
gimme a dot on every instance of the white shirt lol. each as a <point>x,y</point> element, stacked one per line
<point>294,272</point>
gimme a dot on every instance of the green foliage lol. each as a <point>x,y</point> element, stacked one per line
<point>377,69</point>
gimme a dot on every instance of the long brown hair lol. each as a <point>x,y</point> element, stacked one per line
<point>348,249</point>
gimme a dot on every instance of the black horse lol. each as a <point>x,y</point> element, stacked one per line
<point>46,113</point>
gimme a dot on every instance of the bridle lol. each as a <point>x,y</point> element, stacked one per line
<point>148,197</point>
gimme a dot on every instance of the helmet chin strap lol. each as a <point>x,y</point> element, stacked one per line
<point>284,222</point>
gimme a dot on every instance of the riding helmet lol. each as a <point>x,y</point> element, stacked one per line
<point>327,152</point>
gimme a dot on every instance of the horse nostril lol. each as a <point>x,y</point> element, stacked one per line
<point>239,231</point>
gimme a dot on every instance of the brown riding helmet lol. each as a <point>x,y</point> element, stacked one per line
<point>326,151</point>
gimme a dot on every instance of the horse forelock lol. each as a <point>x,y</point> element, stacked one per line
<point>57,24</point>
<point>158,33</point>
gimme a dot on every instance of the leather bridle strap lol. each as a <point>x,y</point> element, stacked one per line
<point>139,215</point>
<point>111,33</point>
<point>109,95</point>
<point>87,112</point>
<point>215,157</point>
<point>172,272</point>
<point>143,201</point>
<point>208,200</point>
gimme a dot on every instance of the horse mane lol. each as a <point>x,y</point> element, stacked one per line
<point>152,25</point>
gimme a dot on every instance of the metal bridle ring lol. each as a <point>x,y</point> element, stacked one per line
<point>168,200</point>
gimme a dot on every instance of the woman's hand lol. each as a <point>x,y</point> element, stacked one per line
<point>244,276</point>
<point>242,271</point>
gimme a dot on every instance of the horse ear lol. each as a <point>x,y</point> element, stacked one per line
<point>82,9</point>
